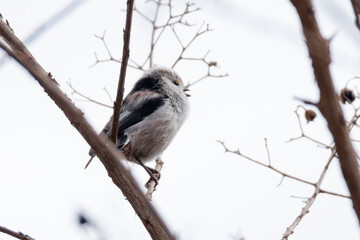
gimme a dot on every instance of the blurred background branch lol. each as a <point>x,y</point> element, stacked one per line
<point>48,24</point>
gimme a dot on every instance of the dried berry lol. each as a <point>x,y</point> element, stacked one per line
<point>213,63</point>
<point>310,115</point>
<point>82,219</point>
<point>347,96</point>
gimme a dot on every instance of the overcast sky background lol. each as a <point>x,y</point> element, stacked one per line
<point>203,193</point>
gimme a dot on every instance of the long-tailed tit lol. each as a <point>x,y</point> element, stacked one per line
<point>151,115</point>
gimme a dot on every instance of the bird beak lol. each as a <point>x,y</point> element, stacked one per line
<point>186,90</point>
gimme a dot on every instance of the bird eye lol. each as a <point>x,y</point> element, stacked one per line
<point>176,82</point>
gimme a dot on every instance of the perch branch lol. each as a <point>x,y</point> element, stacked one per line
<point>151,185</point>
<point>14,234</point>
<point>104,149</point>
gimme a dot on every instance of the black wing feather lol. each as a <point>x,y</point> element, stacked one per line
<point>137,114</point>
<point>147,83</point>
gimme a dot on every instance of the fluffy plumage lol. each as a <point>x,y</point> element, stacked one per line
<point>151,115</point>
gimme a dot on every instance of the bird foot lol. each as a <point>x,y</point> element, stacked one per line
<point>154,176</point>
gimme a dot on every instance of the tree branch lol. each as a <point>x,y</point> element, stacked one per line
<point>356,7</point>
<point>281,172</point>
<point>14,234</point>
<point>311,200</point>
<point>150,186</point>
<point>104,149</point>
<point>328,105</point>
<point>125,57</point>
<point>86,97</point>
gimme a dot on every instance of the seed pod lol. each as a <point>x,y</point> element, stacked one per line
<point>347,96</point>
<point>310,115</point>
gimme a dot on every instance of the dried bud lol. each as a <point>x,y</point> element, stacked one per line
<point>310,115</point>
<point>347,95</point>
<point>212,63</point>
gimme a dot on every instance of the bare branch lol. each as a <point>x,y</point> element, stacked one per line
<point>267,151</point>
<point>328,105</point>
<point>50,22</point>
<point>86,97</point>
<point>282,173</point>
<point>356,7</point>
<point>185,47</point>
<point>152,44</point>
<point>157,32</point>
<point>110,56</point>
<point>106,151</point>
<point>303,135</point>
<point>151,184</point>
<point>311,200</point>
<point>14,234</point>
<point>107,92</point>
<point>125,57</point>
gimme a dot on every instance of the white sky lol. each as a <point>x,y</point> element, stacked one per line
<point>204,193</point>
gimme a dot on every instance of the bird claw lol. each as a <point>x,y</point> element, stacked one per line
<point>154,176</point>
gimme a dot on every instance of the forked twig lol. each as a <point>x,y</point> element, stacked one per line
<point>316,185</point>
<point>86,97</point>
<point>311,200</point>
<point>158,28</point>
<point>282,173</point>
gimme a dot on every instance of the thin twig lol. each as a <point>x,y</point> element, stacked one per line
<point>110,56</point>
<point>108,94</point>
<point>86,97</point>
<point>303,135</point>
<point>120,91</point>
<point>152,44</point>
<point>185,47</point>
<point>14,234</point>
<point>311,200</point>
<point>151,185</point>
<point>282,173</point>
<point>157,32</point>
<point>267,151</point>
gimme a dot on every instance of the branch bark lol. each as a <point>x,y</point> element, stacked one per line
<point>105,150</point>
<point>14,234</point>
<point>356,7</point>
<point>125,57</point>
<point>328,104</point>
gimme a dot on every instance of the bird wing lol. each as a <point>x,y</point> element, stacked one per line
<point>136,107</point>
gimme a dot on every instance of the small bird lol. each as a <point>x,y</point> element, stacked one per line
<point>151,115</point>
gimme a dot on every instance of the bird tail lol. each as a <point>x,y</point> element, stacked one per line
<point>88,163</point>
